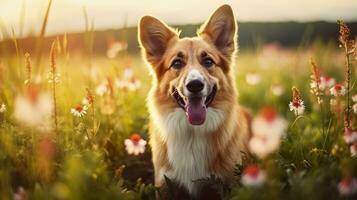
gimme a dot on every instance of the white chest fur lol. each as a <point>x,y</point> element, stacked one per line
<point>189,151</point>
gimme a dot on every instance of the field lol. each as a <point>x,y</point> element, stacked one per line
<point>68,121</point>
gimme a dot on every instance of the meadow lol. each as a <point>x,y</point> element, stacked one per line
<point>74,125</point>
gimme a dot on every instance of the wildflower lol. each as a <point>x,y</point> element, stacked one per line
<point>130,85</point>
<point>128,73</point>
<point>350,136</point>
<point>316,82</point>
<point>267,128</point>
<point>253,176</point>
<point>79,110</point>
<point>353,149</point>
<point>338,90</point>
<point>297,105</point>
<point>20,194</point>
<point>105,87</point>
<point>115,48</point>
<point>2,108</point>
<point>354,98</point>
<point>33,108</point>
<point>347,186</point>
<point>253,78</point>
<point>277,89</point>
<point>135,144</point>
<point>354,107</point>
<point>327,82</point>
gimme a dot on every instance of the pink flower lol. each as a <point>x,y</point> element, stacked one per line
<point>267,128</point>
<point>253,176</point>
<point>338,90</point>
<point>347,186</point>
<point>353,149</point>
<point>350,136</point>
<point>135,144</point>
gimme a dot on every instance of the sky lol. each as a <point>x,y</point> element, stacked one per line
<point>67,15</point>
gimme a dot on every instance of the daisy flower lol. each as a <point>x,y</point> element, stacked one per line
<point>277,89</point>
<point>253,176</point>
<point>297,105</point>
<point>135,144</point>
<point>353,149</point>
<point>267,129</point>
<point>350,136</point>
<point>79,110</point>
<point>2,108</point>
<point>253,78</point>
<point>347,186</point>
<point>34,108</point>
<point>338,90</point>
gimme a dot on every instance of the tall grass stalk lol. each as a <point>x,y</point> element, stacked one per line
<point>28,69</point>
<point>42,34</point>
<point>53,77</point>
<point>347,45</point>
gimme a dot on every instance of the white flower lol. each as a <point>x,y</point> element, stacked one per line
<point>353,149</point>
<point>263,145</point>
<point>79,110</point>
<point>348,186</point>
<point>338,90</point>
<point>34,108</point>
<point>267,129</point>
<point>277,89</point>
<point>135,144</point>
<point>327,82</point>
<point>2,108</point>
<point>103,88</point>
<point>354,107</point>
<point>253,78</point>
<point>128,73</point>
<point>354,98</point>
<point>253,176</point>
<point>297,106</point>
<point>131,85</point>
<point>115,48</point>
<point>350,136</point>
<point>268,122</point>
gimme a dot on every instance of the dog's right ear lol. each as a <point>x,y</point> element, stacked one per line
<point>154,37</point>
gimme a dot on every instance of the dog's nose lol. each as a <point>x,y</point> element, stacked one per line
<point>195,86</point>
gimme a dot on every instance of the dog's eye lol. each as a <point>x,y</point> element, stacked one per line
<point>177,64</point>
<point>207,62</point>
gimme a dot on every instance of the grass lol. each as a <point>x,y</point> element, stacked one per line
<point>86,158</point>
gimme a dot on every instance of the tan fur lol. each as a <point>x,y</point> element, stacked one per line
<point>225,144</point>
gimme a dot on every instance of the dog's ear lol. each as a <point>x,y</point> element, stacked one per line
<point>154,37</point>
<point>221,30</point>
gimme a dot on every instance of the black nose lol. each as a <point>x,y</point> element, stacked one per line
<point>195,86</point>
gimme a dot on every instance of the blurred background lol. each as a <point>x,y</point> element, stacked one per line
<point>288,23</point>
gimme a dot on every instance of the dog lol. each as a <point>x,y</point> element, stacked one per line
<point>197,128</point>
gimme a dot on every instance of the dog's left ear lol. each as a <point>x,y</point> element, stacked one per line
<point>221,30</point>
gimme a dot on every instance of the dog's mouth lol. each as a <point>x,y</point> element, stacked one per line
<point>195,106</point>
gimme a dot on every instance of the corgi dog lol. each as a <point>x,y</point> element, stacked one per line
<point>197,128</point>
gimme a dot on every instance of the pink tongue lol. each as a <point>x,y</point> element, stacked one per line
<point>196,111</point>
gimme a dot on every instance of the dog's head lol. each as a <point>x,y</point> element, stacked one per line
<point>192,73</point>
